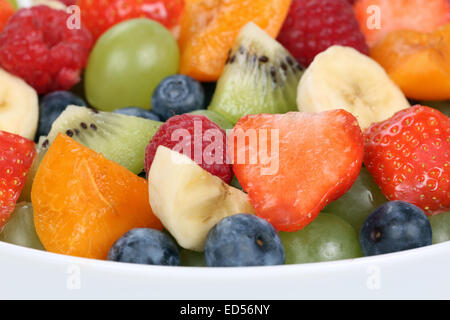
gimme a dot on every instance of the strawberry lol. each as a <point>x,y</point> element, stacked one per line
<point>408,156</point>
<point>316,158</point>
<point>16,157</point>
<point>100,15</point>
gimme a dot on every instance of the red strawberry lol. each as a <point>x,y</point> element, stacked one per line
<point>318,159</point>
<point>408,156</point>
<point>16,157</point>
<point>100,15</point>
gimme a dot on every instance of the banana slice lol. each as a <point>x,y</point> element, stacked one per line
<point>19,106</point>
<point>343,78</point>
<point>54,4</point>
<point>190,201</point>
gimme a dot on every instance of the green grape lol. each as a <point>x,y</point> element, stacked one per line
<point>20,228</point>
<point>14,3</point>
<point>25,195</point>
<point>128,62</point>
<point>215,117</point>
<point>192,259</point>
<point>440,225</point>
<point>235,183</point>
<point>359,202</point>
<point>442,106</point>
<point>327,238</point>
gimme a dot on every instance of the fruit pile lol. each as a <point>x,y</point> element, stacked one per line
<point>225,133</point>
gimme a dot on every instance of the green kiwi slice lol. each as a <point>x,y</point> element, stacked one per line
<point>260,76</point>
<point>215,117</point>
<point>118,137</point>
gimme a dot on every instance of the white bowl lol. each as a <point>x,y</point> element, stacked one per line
<point>415,274</point>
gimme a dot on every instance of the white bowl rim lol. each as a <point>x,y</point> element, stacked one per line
<point>23,253</point>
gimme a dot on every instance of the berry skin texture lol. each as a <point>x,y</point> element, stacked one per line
<point>195,137</point>
<point>138,112</point>
<point>51,106</point>
<point>312,26</point>
<point>177,94</point>
<point>37,46</point>
<point>305,161</point>
<point>100,15</point>
<point>16,157</point>
<point>395,226</point>
<point>6,11</point>
<point>243,240</point>
<point>408,156</point>
<point>145,246</point>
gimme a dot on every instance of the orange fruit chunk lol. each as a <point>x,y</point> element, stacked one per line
<point>418,62</point>
<point>209,28</point>
<point>6,11</point>
<point>378,18</point>
<point>83,202</point>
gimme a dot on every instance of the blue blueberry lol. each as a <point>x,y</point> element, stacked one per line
<point>243,240</point>
<point>177,94</point>
<point>145,246</point>
<point>138,112</point>
<point>395,226</point>
<point>51,106</point>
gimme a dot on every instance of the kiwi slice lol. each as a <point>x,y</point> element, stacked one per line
<point>215,117</point>
<point>118,137</point>
<point>260,76</point>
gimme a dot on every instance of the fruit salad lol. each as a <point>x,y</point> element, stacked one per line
<point>224,133</point>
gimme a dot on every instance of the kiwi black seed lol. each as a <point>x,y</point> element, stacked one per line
<point>118,137</point>
<point>260,76</point>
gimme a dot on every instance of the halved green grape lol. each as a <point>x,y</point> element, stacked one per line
<point>440,225</point>
<point>192,259</point>
<point>20,228</point>
<point>25,195</point>
<point>128,62</point>
<point>327,238</point>
<point>359,202</point>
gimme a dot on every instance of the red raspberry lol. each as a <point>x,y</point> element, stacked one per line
<point>68,2</point>
<point>312,26</point>
<point>16,157</point>
<point>408,156</point>
<point>100,15</point>
<point>37,46</point>
<point>196,126</point>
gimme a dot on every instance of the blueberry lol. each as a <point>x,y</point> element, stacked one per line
<point>145,246</point>
<point>51,106</point>
<point>138,112</point>
<point>395,226</point>
<point>243,240</point>
<point>177,94</point>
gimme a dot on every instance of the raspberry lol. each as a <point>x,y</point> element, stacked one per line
<point>37,46</point>
<point>68,2</point>
<point>198,142</point>
<point>100,15</point>
<point>312,26</point>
